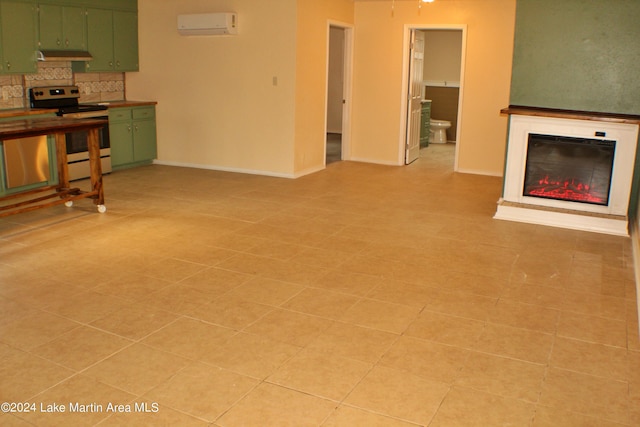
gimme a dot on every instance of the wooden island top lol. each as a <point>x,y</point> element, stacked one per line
<point>23,201</point>
<point>25,128</point>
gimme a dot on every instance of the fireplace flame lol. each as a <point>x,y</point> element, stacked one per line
<point>565,189</point>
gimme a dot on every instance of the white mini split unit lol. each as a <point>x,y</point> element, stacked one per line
<point>208,24</point>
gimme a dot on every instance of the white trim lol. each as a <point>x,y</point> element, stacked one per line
<point>348,92</point>
<point>347,88</point>
<point>376,161</point>
<point>308,171</point>
<point>226,169</point>
<point>570,221</point>
<point>463,60</point>
<point>404,97</point>
<point>480,172</point>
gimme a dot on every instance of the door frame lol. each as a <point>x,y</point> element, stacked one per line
<point>406,81</point>
<point>347,88</point>
<point>414,96</point>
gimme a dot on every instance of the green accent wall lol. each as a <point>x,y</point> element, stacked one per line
<point>577,55</point>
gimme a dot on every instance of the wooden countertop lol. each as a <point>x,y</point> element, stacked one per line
<point>121,104</point>
<point>45,126</point>
<point>22,112</point>
<point>571,114</point>
<point>25,112</point>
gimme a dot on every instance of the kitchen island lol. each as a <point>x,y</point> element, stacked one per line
<point>42,197</point>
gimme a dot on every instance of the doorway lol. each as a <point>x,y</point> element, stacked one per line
<point>338,93</point>
<point>443,77</point>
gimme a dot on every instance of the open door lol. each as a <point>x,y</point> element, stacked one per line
<point>335,94</point>
<point>338,101</point>
<point>416,69</point>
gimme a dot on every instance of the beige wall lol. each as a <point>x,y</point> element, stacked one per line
<point>218,103</point>
<point>311,78</point>
<point>378,77</point>
<point>256,102</point>
<point>442,55</point>
<point>335,86</point>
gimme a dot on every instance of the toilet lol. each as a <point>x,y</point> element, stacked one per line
<point>438,131</point>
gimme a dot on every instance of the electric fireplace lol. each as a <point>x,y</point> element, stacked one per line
<point>569,172</point>
<point>568,168</point>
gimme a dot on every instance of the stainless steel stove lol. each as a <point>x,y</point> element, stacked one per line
<point>66,100</point>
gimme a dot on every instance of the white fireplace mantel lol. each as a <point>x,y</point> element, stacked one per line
<point>610,219</point>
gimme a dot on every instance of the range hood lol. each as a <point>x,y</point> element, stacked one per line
<point>64,55</point>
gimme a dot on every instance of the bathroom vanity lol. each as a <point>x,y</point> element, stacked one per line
<point>425,123</point>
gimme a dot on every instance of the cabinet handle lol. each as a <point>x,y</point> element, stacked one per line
<point>129,128</point>
<point>117,64</point>
<point>66,42</point>
<point>135,127</point>
<point>57,42</point>
<point>8,65</point>
<point>111,64</point>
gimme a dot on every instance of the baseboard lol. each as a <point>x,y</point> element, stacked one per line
<point>374,161</point>
<point>479,172</point>
<point>308,171</point>
<point>224,169</point>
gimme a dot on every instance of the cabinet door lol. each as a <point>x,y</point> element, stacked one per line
<point>19,41</point>
<point>100,39</point>
<point>121,140</point>
<point>125,41</point>
<point>50,25</point>
<point>62,27</point>
<point>74,28</point>
<point>144,140</point>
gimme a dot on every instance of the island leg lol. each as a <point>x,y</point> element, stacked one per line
<point>93,146</point>
<point>61,155</point>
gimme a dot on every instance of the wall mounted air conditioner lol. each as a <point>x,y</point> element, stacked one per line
<point>208,24</point>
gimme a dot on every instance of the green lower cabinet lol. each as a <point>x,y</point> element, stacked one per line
<point>121,140</point>
<point>144,140</point>
<point>132,134</point>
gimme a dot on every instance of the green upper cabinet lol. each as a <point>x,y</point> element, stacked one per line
<point>62,27</point>
<point>112,40</point>
<point>100,39</point>
<point>125,41</point>
<point>108,29</point>
<point>18,23</point>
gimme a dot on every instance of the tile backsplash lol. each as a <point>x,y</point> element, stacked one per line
<point>94,87</point>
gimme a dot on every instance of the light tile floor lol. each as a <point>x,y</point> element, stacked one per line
<point>361,295</point>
